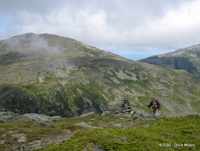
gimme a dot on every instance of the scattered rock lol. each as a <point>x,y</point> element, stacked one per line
<point>7,116</point>
<point>41,119</point>
<point>21,138</point>
<point>2,142</point>
<point>56,117</point>
<point>35,118</point>
<point>137,117</point>
<point>105,112</point>
<point>34,145</point>
<point>85,125</point>
<point>87,114</point>
<point>98,149</point>
<point>148,125</point>
<point>117,124</point>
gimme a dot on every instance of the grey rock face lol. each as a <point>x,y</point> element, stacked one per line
<point>41,119</point>
<point>7,116</point>
<point>85,125</point>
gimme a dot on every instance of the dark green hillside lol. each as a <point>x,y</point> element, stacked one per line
<point>184,59</point>
<point>60,76</point>
<point>179,63</point>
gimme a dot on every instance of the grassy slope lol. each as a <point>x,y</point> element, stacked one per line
<point>61,84</point>
<point>170,131</point>
<point>110,132</point>
<point>102,83</point>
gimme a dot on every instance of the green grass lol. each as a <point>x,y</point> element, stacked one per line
<point>170,131</point>
<point>163,134</point>
<point>144,135</point>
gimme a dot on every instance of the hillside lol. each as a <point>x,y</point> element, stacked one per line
<point>184,59</point>
<point>102,132</point>
<point>55,75</point>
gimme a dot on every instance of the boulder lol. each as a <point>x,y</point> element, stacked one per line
<point>35,118</point>
<point>7,116</point>
<point>85,125</point>
<point>41,119</point>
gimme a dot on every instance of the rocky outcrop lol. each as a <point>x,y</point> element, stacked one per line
<point>40,119</point>
<point>8,116</point>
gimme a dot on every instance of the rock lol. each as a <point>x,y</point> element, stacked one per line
<point>132,112</point>
<point>83,124</point>
<point>137,117</point>
<point>34,145</point>
<point>126,107</point>
<point>2,142</point>
<point>21,138</point>
<point>7,116</point>
<point>56,118</point>
<point>41,119</point>
<point>98,149</point>
<point>117,124</point>
<point>105,112</point>
<point>35,118</point>
<point>87,114</point>
<point>147,125</point>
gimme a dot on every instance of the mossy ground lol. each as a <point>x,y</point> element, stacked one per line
<point>162,134</point>
<point>110,132</point>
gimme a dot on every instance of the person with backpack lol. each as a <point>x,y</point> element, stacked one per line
<point>155,106</point>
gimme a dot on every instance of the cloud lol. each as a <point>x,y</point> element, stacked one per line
<point>34,45</point>
<point>115,24</point>
<point>179,27</point>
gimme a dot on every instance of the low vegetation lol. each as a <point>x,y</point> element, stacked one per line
<point>163,134</point>
<point>107,132</point>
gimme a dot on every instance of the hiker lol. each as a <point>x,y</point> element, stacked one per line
<point>155,106</point>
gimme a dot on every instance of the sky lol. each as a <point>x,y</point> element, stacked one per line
<point>134,29</point>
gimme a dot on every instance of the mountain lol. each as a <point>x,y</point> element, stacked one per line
<point>55,75</point>
<point>184,59</point>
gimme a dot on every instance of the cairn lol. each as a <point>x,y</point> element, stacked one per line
<point>126,107</point>
<point>128,110</point>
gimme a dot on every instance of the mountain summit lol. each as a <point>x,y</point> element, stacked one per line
<point>60,76</point>
<point>183,59</point>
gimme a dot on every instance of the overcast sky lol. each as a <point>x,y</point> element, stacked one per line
<point>131,28</point>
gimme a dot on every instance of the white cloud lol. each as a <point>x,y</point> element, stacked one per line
<point>179,27</point>
<point>114,24</point>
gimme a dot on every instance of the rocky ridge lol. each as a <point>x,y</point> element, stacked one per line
<point>187,59</point>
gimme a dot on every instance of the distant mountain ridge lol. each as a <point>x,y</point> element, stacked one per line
<point>183,59</point>
<point>55,75</point>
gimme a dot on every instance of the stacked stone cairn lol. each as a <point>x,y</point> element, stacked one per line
<point>127,109</point>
